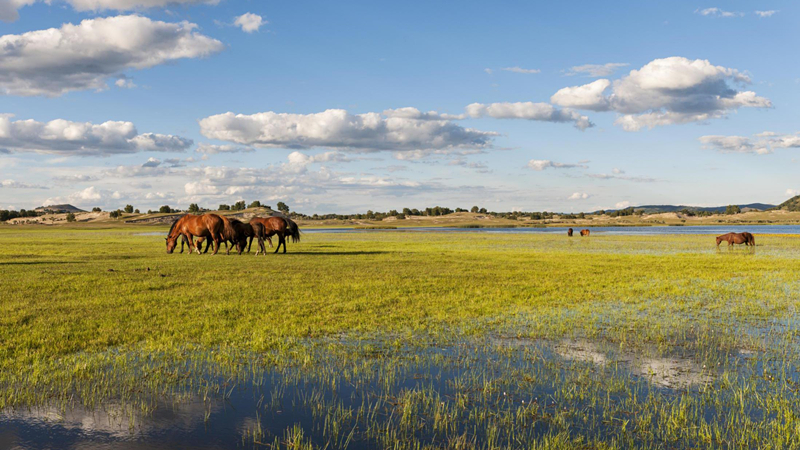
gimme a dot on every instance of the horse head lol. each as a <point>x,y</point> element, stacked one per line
<point>172,242</point>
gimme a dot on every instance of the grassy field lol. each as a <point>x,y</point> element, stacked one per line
<point>91,316</point>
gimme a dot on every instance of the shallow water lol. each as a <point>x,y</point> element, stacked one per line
<point>480,389</point>
<point>622,231</point>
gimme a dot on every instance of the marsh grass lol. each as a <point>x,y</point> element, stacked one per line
<point>430,340</point>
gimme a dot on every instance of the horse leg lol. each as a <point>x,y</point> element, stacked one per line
<point>269,239</point>
<point>280,241</point>
<point>216,238</point>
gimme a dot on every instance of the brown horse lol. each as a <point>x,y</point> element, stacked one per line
<point>584,232</point>
<point>209,226</point>
<point>737,238</point>
<point>569,232</point>
<point>281,226</point>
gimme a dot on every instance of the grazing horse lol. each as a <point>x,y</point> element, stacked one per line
<point>737,238</point>
<point>282,226</point>
<point>584,232</point>
<point>569,232</point>
<point>209,226</point>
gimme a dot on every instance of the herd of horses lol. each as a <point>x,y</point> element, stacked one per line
<point>193,230</point>
<point>731,238</point>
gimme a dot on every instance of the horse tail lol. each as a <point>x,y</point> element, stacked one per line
<point>292,230</point>
<point>228,232</point>
<point>752,239</point>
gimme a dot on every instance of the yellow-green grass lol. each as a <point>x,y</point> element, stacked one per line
<point>105,313</point>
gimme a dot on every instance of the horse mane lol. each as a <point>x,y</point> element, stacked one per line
<point>173,225</point>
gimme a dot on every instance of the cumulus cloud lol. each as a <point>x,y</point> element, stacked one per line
<point>792,192</point>
<point>520,70</point>
<point>595,70</point>
<point>578,196</point>
<point>716,12</point>
<point>88,197</point>
<point>766,13</point>
<point>249,22</point>
<point>764,143</point>
<point>542,164</point>
<point>80,57</point>
<point>622,205</point>
<point>529,111</point>
<point>338,129</point>
<point>83,138</point>
<point>665,91</point>
<point>9,8</point>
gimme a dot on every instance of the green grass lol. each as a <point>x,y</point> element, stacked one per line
<point>96,314</point>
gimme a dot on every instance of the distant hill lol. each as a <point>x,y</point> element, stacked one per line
<point>793,204</point>
<point>654,209</point>
<point>59,209</point>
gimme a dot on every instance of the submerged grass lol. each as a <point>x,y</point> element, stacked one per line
<point>415,340</point>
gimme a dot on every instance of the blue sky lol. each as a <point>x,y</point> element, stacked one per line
<point>699,106</point>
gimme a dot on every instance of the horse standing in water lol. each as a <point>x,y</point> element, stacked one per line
<point>584,232</point>
<point>569,232</point>
<point>209,226</point>
<point>274,225</point>
<point>737,238</point>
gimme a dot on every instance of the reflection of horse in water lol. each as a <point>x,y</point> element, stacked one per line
<point>584,232</point>
<point>737,238</point>
<point>569,232</point>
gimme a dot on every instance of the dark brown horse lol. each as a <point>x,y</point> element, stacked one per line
<point>569,232</point>
<point>209,226</point>
<point>281,226</point>
<point>584,232</point>
<point>737,238</point>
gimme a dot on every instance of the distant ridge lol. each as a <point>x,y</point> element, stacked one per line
<point>66,208</point>
<point>654,209</point>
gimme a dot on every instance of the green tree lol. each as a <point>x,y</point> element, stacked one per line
<point>70,217</point>
<point>136,211</point>
<point>239,206</point>
<point>482,211</point>
<point>283,207</point>
<point>474,209</point>
<point>732,209</point>
<point>406,212</point>
<point>96,209</point>
<point>165,209</point>
<point>129,209</point>
<point>224,208</point>
<point>115,214</point>
<point>193,208</point>
<point>255,204</point>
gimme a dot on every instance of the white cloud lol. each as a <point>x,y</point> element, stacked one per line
<point>520,70</point>
<point>249,22</point>
<point>13,184</point>
<point>716,12</point>
<point>578,196</point>
<point>595,70</point>
<point>338,129</point>
<point>589,96</point>
<point>766,13</point>
<point>619,176</point>
<point>617,171</point>
<point>542,164</point>
<point>125,83</point>
<point>622,205</point>
<point>792,192</point>
<point>9,8</point>
<point>488,71</point>
<point>665,91</point>
<point>88,196</point>
<point>83,138</point>
<point>211,149</point>
<point>765,143</point>
<point>79,57</point>
<point>529,111</point>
